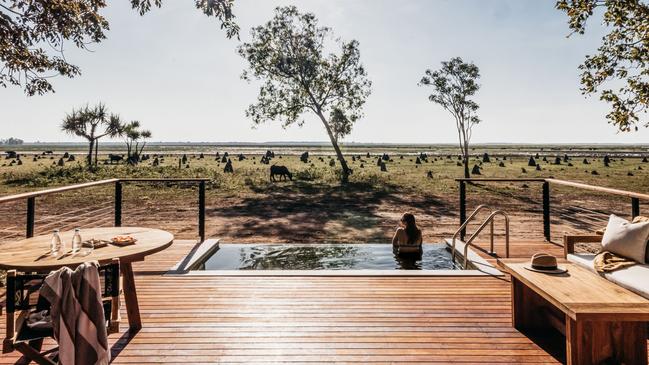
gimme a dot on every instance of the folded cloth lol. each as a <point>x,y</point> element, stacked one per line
<point>77,315</point>
<point>39,320</point>
<point>606,261</point>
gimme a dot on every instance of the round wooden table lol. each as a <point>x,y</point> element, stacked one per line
<point>33,255</point>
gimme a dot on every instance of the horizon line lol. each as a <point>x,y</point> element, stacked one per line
<point>326,143</point>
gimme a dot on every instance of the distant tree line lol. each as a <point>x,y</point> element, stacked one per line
<point>11,141</point>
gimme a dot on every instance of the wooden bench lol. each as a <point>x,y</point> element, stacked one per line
<point>569,241</point>
<point>601,321</point>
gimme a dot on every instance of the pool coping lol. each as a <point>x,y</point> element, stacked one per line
<point>206,248</point>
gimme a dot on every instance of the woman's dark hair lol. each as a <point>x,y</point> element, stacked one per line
<point>412,231</point>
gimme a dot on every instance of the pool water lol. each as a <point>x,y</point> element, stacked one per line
<point>325,257</point>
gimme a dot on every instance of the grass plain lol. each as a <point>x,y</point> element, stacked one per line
<point>245,206</point>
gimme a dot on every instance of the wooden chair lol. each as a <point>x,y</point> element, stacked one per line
<point>22,298</point>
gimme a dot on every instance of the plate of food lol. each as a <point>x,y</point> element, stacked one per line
<point>95,243</point>
<point>123,240</point>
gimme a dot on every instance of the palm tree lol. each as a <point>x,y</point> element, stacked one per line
<point>92,123</point>
<point>135,140</point>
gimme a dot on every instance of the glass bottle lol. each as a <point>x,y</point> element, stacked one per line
<point>88,247</point>
<point>76,241</point>
<point>55,244</point>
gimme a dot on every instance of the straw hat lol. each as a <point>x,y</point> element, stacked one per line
<point>545,263</point>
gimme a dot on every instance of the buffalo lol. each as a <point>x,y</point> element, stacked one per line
<point>282,171</point>
<point>115,158</point>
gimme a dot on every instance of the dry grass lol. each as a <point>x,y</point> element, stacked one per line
<point>314,207</point>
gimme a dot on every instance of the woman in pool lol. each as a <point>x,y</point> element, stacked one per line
<point>407,238</point>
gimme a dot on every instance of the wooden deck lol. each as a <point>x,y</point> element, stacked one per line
<point>518,248</point>
<point>200,319</point>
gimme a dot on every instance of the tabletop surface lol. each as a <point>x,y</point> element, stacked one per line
<point>33,254</point>
<point>580,291</point>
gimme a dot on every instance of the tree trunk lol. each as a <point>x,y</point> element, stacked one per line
<point>90,149</point>
<point>466,167</point>
<point>339,154</point>
<point>466,159</point>
<point>96,150</point>
<point>128,150</point>
<point>141,149</point>
<point>129,153</point>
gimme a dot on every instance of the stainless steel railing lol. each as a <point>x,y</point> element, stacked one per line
<point>490,221</point>
<point>466,222</point>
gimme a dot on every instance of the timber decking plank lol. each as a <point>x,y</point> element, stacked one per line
<point>316,320</point>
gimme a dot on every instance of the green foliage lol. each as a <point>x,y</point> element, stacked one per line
<point>92,123</point>
<point>453,86</point>
<point>622,58</point>
<point>311,173</point>
<point>135,140</point>
<point>33,35</point>
<point>341,125</point>
<point>219,9</point>
<point>288,55</point>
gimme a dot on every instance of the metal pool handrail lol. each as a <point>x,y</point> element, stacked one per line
<point>484,224</point>
<point>466,222</point>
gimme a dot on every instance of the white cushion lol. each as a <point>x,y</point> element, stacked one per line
<point>585,260</point>
<point>634,278</point>
<point>625,238</point>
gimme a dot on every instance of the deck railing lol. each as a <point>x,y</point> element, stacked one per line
<point>118,183</point>
<point>546,182</point>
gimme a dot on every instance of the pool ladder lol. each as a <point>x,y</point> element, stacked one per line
<point>490,221</point>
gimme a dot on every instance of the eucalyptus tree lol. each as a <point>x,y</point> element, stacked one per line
<point>453,85</point>
<point>299,75</point>
<point>621,65</point>
<point>92,123</point>
<point>34,34</point>
<point>135,141</point>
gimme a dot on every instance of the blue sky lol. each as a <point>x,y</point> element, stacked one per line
<point>176,72</point>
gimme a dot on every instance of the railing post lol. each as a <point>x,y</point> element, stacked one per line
<point>635,207</point>
<point>201,210</point>
<point>118,204</point>
<point>31,213</point>
<point>546,210</point>
<point>462,208</point>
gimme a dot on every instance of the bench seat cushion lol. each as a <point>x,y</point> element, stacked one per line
<point>584,260</point>
<point>634,278</point>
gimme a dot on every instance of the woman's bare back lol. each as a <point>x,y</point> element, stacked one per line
<point>401,239</point>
